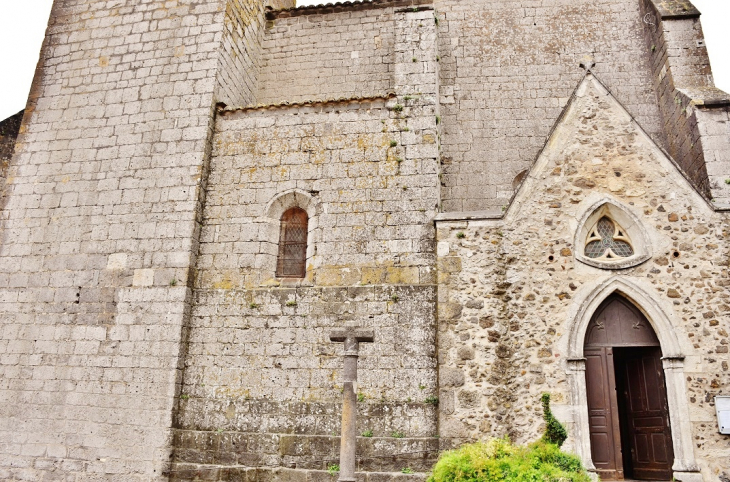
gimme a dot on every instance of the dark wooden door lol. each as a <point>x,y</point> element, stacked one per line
<point>603,413</point>
<point>628,416</point>
<point>644,413</point>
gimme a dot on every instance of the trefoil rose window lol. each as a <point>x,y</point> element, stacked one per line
<point>292,259</point>
<point>608,241</point>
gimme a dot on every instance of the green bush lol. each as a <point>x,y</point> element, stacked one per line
<point>555,432</point>
<point>498,460</point>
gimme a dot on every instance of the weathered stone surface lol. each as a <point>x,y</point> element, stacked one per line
<point>141,315</point>
<point>502,93</point>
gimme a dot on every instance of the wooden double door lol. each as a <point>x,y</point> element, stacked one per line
<point>627,397</point>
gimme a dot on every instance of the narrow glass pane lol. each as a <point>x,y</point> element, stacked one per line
<point>293,244</point>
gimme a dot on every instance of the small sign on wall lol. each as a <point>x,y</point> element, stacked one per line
<point>722,404</point>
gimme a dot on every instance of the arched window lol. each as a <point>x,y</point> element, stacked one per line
<point>610,236</point>
<point>607,241</point>
<point>292,260</point>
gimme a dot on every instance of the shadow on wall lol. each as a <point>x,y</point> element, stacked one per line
<point>9,129</point>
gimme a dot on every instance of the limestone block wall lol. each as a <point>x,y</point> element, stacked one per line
<point>281,4</point>
<point>508,69</point>
<point>693,111</point>
<point>372,180</point>
<point>510,287</point>
<point>240,53</point>
<point>328,55</point>
<point>669,41</point>
<point>259,364</point>
<point>368,169</point>
<point>713,124</point>
<point>99,233</point>
<point>263,382</point>
<point>260,370</point>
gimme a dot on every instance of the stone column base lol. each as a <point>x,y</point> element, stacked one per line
<point>688,476</point>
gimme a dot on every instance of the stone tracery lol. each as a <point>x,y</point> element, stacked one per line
<point>610,236</point>
<point>607,241</point>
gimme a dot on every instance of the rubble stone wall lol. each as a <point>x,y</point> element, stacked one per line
<point>508,288</point>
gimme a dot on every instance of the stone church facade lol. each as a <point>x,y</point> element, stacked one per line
<point>517,197</point>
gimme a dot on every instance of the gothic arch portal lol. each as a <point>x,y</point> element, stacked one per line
<point>685,468</point>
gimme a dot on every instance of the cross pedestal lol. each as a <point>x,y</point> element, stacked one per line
<point>352,335</point>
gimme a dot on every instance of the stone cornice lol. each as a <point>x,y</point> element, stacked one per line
<point>345,7</point>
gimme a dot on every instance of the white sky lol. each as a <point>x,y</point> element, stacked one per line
<point>23,25</point>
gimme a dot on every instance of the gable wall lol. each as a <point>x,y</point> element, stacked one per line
<point>508,289</point>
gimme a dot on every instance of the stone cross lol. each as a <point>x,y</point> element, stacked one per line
<point>352,335</point>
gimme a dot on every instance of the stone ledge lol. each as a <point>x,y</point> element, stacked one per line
<point>470,215</point>
<point>321,104</point>
<point>338,7</point>
<point>675,9</point>
<point>706,97</point>
<point>199,453</point>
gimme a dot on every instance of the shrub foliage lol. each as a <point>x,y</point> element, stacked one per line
<point>497,460</point>
<point>555,432</point>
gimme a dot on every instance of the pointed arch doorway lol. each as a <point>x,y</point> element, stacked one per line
<point>630,432</point>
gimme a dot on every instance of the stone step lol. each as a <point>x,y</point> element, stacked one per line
<point>216,473</point>
<point>312,452</point>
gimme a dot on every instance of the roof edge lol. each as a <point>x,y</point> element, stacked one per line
<point>339,7</point>
<point>470,215</point>
<point>223,109</point>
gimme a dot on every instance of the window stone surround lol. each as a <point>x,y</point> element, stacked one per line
<point>631,224</point>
